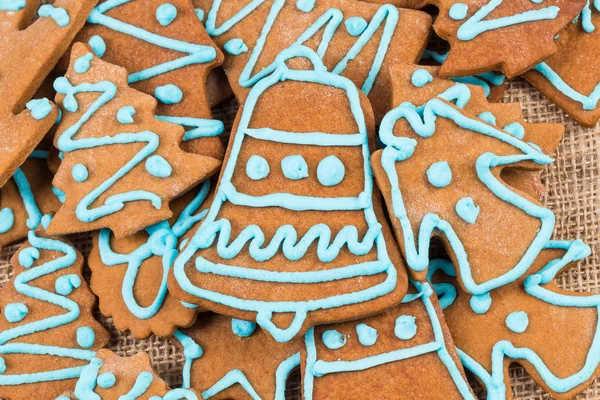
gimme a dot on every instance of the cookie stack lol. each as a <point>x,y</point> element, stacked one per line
<point>372,217</point>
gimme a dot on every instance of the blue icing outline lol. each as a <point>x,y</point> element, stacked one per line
<point>400,148</point>
<point>316,368</point>
<point>286,235</point>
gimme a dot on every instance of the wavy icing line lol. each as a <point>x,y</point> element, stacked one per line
<point>196,54</point>
<point>423,122</point>
<point>316,368</point>
<point>21,284</point>
<point>328,22</point>
<point>162,242</point>
<point>206,231</point>
<point>575,250</point>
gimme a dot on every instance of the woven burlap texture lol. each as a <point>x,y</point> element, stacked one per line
<point>573,193</point>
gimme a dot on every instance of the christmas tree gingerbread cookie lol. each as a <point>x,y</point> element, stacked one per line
<point>120,165</point>
<point>570,78</point>
<point>386,355</point>
<point>222,359</point>
<point>172,59</point>
<point>467,173</point>
<point>129,275</point>
<point>295,235</point>
<point>47,332</point>
<point>355,39</point>
<point>553,333</point>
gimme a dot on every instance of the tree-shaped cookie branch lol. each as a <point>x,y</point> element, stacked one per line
<point>121,166</point>
<point>47,332</point>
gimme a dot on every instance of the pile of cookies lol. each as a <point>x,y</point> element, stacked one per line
<point>373,217</point>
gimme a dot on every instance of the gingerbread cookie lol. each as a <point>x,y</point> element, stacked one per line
<point>553,333</point>
<point>570,77</point>
<point>416,4</point>
<point>232,359</point>
<point>295,235</point>
<point>110,377</point>
<point>118,160</point>
<point>172,58</point>
<point>47,332</point>
<point>510,35</point>
<point>355,39</point>
<point>129,275</point>
<point>442,174</point>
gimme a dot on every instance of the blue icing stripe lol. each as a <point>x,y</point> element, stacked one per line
<point>405,328</point>
<point>367,336</point>
<point>488,117</point>
<point>305,5</point>
<point>60,15</point>
<point>439,174</point>
<point>98,45</point>
<point>64,285</point>
<point>420,78</point>
<point>200,14</point>
<point>12,5</point>
<point>166,13</point>
<point>125,114</point>
<point>458,11</point>
<point>168,94</point>
<point>235,46</point>
<point>40,108</point>
<point>191,352</point>
<point>517,321</point>
<point>159,167</point>
<point>257,168</point>
<point>83,63</point>
<point>356,25</point>
<point>467,210</point>
<point>333,339</point>
<point>15,312</point>
<point>242,328</point>
<point>330,171</point>
<point>106,380</point>
<point>588,102</point>
<point>515,129</point>
<point>85,337</point>
<point>294,167</point>
<point>80,173</point>
<point>7,220</point>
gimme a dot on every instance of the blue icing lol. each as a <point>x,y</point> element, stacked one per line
<point>46,219</point>
<point>367,336</point>
<point>488,117</point>
<point>40,108</point>
<point>15,312</point>
<point>159,167</point>
<point>439,174</point>
<point>467,210</point>
<point>27,256</point>
<point>517,321</point>
<point>515,129</point>
<point>294,167</point>
<point>7,220</point>
<point>235,46</point>
<point>421,77</point>
<point>458,11</point>
<point>106,380</point>
<point>65,284</point>
<point>85,337</point>
<point>200,14</point>
<point>405,328</point>
<point>166,13</point>
<point>356,25</point>
<point>330,171</point>
<point>98,45</point>
<point>12,5</point>
<point>125,114</point>
<point>242,328</point>
<point>191,352</point>
<point>588,102</point>
<point>34,215</point>
<point>60,195</point>
<point>305,5</point>
<point>480,304</point>
<point>80,173</point>
<point>60,15</point>
<point>333,339</point>
<point>168,94</point>
<point>2,365</point>
<point>257,168</point>
<point>83,63</point>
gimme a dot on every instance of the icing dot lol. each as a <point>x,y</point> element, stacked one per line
<point>517,321</point>
<point>355,25</point>
<point>257,168</point>
<point>305,5</point>
<point>420,78</point>
<point>481,303</point>
<point>242,328</point>
<point>2,365</point>
<point>159,167</point>
<point>333,339</point>
<point>405,328</point>
<point>367,336</point>
<point>515,129</point>
<point>294,167</point>
<point>330,171</point>
<point>125,114</point>
<point>12,5</point>
<point>40,108</point>
<point>200,14</point>
<point>83,63</point>
<point>168,94</point>
<point>439,174</point>
<point>59,15</point>
<point>193,351</point>
<point>46,219</point>
<point>15,312</point>
<point>79,172</point>
<point>7,220</point>
<point>166,13</point>
<point>64,285</point>
<point>235,47</point>
<point>85,337</point>
<point>106,380</point>
<point>28,256</point>
<point>467,210</point>
<point>98,45</point>
<point>488,117</point>
<point>458,11</point>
